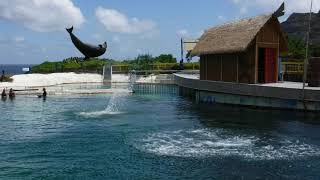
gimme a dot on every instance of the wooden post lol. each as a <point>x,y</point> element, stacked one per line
<point>206,62</point>
<point>256,62</point>
<point>237,68</point>
<point>221,67</point>
<point>182,58</point>
<point>277,60</point>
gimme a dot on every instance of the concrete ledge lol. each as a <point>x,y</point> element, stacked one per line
<point>247,89</point>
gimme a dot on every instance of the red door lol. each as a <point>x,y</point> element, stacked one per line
<point>270,65</point>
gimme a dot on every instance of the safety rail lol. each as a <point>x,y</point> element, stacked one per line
<point>158,67</point>
<point>292,67</point>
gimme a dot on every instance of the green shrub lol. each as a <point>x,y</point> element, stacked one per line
<point>141,62</point>
<point>4,78</point>
<point>46,67</point>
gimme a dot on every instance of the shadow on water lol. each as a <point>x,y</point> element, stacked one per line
<point>212,115</point>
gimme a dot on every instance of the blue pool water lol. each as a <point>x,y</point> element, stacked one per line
<point>153,137</point>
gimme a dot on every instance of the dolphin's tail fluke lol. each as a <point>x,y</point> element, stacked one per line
<point>70,29</point>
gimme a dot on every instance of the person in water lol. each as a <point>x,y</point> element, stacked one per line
<point>11,93</point>
<point>4,94</point>
<point>44,94</point>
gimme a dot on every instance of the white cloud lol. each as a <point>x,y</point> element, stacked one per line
<point>243,10</point>
<point>116,39</point>
<point>115,21</point>
<point>97,36</point>
<point>183,33</point>
<point>221,18</point>
<point>200,33</point>
<point>42,15</point>
<point>150,35</point>
<point>272,5</point>
<point>19,39</point>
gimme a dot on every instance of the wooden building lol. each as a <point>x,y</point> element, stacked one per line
<point>245,51</point>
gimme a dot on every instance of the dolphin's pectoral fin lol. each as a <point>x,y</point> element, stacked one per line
<point>70,29</point>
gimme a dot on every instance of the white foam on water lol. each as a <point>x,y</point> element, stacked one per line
<point>98,113</point>
<point>112,108</point>
<point>220,143</point>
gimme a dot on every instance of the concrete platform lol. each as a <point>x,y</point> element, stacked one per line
<point>284,84</point>
<point>284,95</point>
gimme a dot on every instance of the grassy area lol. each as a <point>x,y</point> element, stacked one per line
<point>69,66</point>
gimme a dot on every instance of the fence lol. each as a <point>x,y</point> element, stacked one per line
<point>292,67</point>
<point>154,68</point>
<point>292,71</point>
<point>151,88</point>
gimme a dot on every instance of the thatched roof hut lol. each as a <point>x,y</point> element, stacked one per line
<point>233,37</point>
<point>245,51</point>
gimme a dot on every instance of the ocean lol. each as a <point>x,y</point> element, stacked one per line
<point>14,69</point>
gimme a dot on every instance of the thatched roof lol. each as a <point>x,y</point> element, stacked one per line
<point>232,37</point>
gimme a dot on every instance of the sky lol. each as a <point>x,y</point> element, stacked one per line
<point>33,31</point>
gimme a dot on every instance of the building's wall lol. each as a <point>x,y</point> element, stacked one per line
<point>247,66</point>
<point>214,67</point>
<point>269,37</point>
<point>219,67</point>
<point>203,66</point>
<point>241,67</point>
<point>230,67</point>
<point>269,34</point>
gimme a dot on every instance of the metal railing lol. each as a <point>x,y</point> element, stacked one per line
<point>292,67</point>
<point>153,68</point>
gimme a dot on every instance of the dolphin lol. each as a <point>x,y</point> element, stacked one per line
<point>88,50</point>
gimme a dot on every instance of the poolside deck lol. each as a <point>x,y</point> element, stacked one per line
<point>283,84</point>
<point>282,95</point>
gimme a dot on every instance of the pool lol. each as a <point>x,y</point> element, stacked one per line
<point>123,136</point>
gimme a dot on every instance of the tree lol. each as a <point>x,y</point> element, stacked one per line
<point>297,47</point>
<point>165,58</point>
<point>143,62</point>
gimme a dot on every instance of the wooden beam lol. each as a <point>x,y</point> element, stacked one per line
<point>256,62</point>
<point>206,62</point>
<point>237,68</point>
<point>268,43</point>
<point>277,60</point>
<point>221,67</point>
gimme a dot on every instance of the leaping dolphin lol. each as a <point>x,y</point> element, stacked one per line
<point>88,50</point>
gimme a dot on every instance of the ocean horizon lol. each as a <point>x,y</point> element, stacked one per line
<point>14,69</point>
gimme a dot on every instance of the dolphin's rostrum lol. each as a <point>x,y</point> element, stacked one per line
<point>88,50</point>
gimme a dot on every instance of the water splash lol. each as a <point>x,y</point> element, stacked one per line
<point>219,143</point>
<point>132,79</point>
<point>113,108</point>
